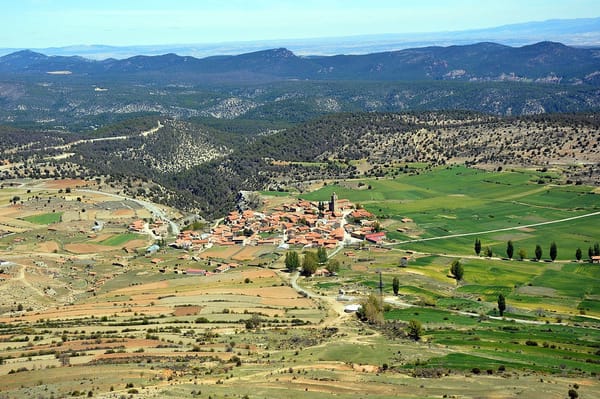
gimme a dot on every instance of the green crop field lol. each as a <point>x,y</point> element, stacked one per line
<point>458,200</point>
<point>45,218</point>
<point>121,239</point>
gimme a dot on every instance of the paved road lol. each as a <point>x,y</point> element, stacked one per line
<point>347,236</point>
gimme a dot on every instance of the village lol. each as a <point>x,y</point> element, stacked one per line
<point>301,224</point>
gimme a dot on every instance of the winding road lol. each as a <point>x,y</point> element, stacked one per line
<point>152,208</point>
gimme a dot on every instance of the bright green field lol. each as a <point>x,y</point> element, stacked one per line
<point>460,200</point>
<point>45,218</point>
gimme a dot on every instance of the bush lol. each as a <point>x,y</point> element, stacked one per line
<point>531,343</point>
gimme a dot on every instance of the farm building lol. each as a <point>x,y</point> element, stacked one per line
<point>375,238</point>
<point>196,272</point>
<point>137,226</point>
<point>222,268</point>
<point>152,249</point>
<point>596,259</point>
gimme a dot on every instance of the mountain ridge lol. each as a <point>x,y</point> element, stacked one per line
<point>543,61</point>
<point>579,32</point>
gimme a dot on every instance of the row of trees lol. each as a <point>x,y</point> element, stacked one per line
<point>310,262</point>
<point>538,252</point>
<point>522,253</point>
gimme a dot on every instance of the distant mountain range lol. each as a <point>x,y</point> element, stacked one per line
<point>545,62</point>
<point>582,32</point>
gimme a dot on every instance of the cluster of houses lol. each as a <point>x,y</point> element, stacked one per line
<point>158,227</point>
<point>302,223</point>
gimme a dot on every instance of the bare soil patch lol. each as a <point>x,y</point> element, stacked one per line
<point>130,213</point>
<point>247,253</point>
<point>220,252</point>
<point>365,368</point>
<point>149,287</point>
<point>135,244</point>
<point>102,237</point>
<point>187,310</point>
<point>258,273</point>
<point>48,246</point>
<point>64,183</point>
<point>88,248</point>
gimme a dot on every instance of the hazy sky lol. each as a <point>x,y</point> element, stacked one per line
<point>46,23</point>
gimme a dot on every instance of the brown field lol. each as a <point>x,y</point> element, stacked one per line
<point>124,213</point>
<point>248,253</point>
<point>48,246</point>
<point>102,237</point>
<point>135,244</point>
<point>88,248</point>
<point>63,183</point>
<point>258,273</point>
<point>187,310</point>
<point>86,310</point>
<point>220,252</point>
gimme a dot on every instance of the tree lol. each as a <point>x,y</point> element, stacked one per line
<point>522,254</point>
<point>371,310</point>
<point>590,253</point>
<point>395,285</point>
<point>596,249</point>
<point>321,208</point>
<point>553,251</point>
<point>333,266</point>
<point>377,227</point>
<point>457,270</point>
<point>477,246</point>
<point>292,261</point>
<point>501,304</point>
<point>488,252</point>
<point>510,249</point>
<point>309,264</point>
<point>322,255</point>
<point>538,252</point>
<point>414,329</point>
<point>578,254</point>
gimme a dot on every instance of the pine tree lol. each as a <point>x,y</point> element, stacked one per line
<point>538,252</point>
<point>477,246</point>
<point>578,254</point>
<point>396,285</point>
<point>553,251</point>
<point>510,249</point>
<point>501,304</point>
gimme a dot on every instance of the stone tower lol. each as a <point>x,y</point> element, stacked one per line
<point>333,203</point>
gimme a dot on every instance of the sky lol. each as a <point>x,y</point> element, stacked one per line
<point>56,23</point>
